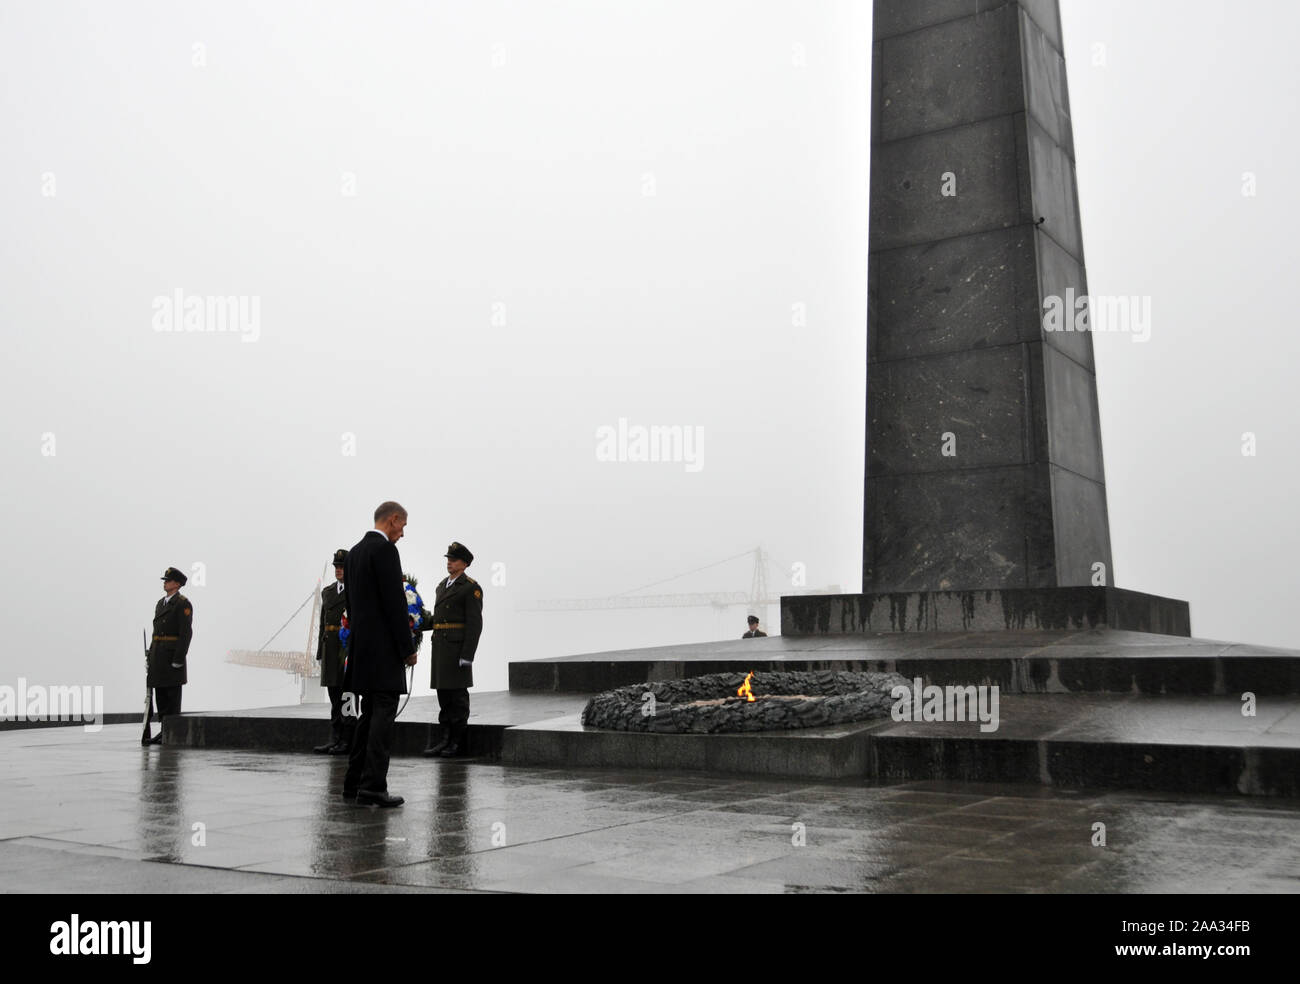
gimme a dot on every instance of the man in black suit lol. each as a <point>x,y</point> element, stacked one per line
<point>379,649</point>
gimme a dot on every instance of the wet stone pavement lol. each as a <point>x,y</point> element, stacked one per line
<point>89,812</point>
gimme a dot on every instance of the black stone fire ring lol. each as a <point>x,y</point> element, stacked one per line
<point>710,705</point>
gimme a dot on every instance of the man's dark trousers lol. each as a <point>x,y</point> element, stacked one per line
<point>453,705</point>
<point>169,701</point>
<point>372,744</point>
<point>336,713</point>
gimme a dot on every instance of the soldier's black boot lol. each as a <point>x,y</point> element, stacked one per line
<point>336,736</point>
<point>340,745</point>
<point>456,742</point>
<point>344,745</point>
<point>444,736</point>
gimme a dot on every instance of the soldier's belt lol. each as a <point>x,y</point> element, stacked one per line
<point>159,638</point>
<point>449,625</point>
<point>331,628</point>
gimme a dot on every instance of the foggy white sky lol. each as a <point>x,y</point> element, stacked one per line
<point>442,211</point>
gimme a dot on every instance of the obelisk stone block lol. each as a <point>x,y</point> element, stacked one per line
<point>984,459</point>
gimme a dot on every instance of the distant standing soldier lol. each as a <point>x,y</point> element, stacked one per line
<point>754,631</point>
<point>329,651</point>
<point>457,623</point>
<point>173,619</point>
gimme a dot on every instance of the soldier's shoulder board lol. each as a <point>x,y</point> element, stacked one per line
<point>471,580</point>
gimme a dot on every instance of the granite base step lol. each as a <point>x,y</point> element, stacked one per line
<point>1179,744</point>
<point>300,727</point>
<point>1095,661</point>
<point>292,735</point>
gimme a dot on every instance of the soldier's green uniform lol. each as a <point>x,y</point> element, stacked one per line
<point>329,651</point>
<point>333,603</point>
<point>457,624</point>
<point>173,628</point>
<point>455,627</point>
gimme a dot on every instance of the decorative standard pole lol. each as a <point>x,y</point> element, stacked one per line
<point>985,498</point>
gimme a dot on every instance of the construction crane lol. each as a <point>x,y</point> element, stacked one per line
<point>303,664</point>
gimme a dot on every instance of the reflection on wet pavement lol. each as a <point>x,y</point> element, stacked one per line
<point>95,812</point>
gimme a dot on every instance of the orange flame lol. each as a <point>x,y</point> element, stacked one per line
<point>745,690</point>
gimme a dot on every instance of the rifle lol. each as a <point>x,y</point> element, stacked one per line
<point>147,737</point>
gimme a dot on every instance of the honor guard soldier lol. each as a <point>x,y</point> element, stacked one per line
<point>173,619</point>
<point>329,652</point>
<point>457,623</point>
<point>754,631</point>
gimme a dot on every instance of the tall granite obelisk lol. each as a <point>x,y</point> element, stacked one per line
<point>985,486</point>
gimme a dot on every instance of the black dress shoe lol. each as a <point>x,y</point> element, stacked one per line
<point>155,740</point>
<point>450,750</point>
<point>324,749</point>
<point>339,748</point>
<point>349,794</point>
<point>365,798</point>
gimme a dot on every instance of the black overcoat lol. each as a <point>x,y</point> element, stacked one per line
<point>173,627</point>
<point>459,607</point>
<point>381,632</point>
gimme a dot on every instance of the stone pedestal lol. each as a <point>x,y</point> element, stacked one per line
<point>994,610</point>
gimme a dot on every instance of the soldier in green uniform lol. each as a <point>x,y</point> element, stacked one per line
<point>173,619</point>
<point>329,652</point>
<point>456,625</point>
<point>754,631</point>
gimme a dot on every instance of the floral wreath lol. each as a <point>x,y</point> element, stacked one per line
<point>416,614</point>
